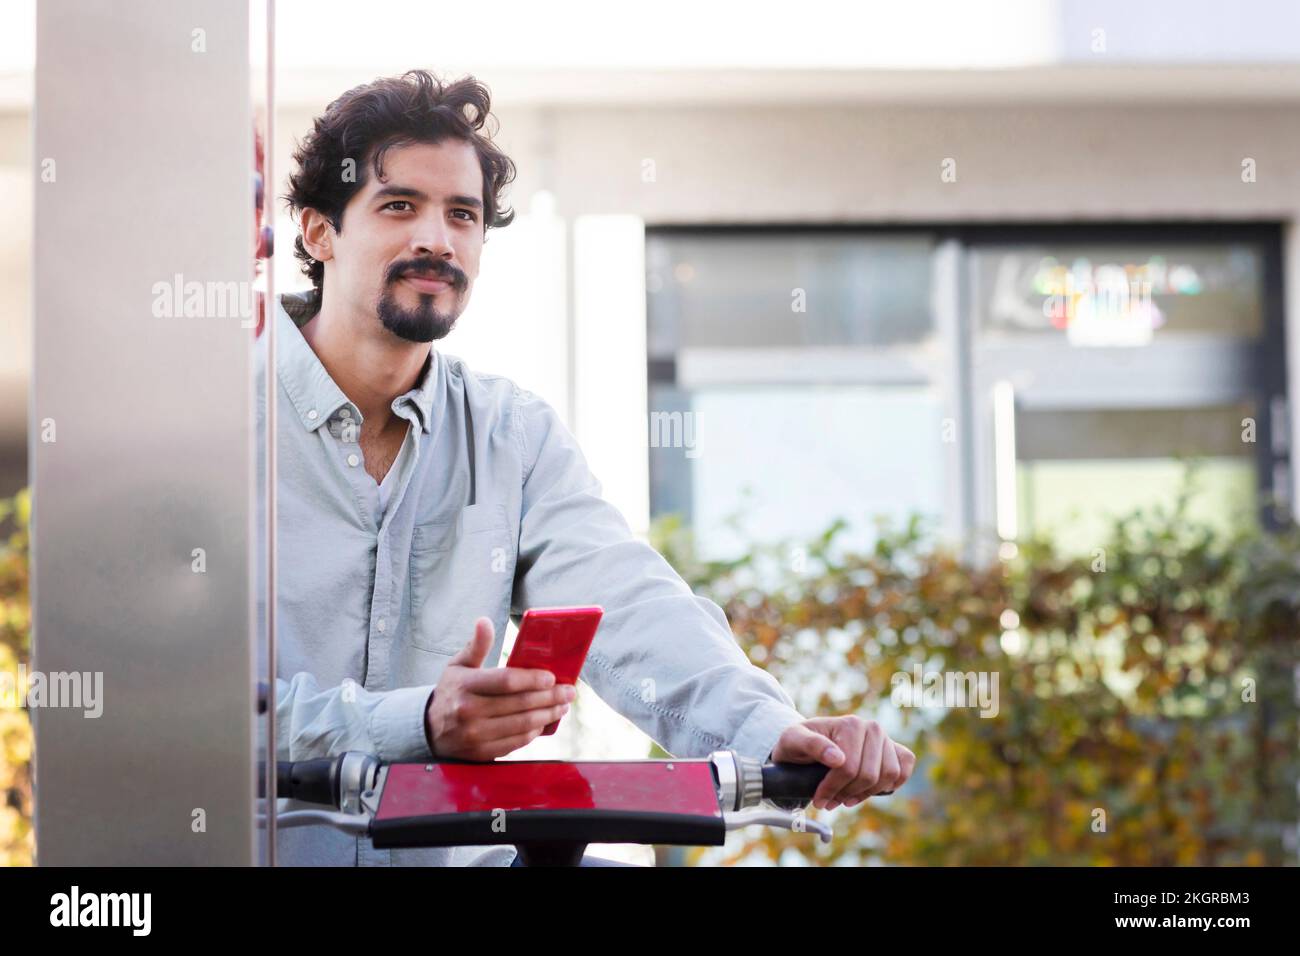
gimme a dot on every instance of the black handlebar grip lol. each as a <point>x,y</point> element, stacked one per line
<point>312,781</point>
<point>792,785</point>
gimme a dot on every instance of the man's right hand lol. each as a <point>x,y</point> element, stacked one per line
<point>482,714</point>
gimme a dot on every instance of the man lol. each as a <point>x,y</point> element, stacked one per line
<point>421,503</point>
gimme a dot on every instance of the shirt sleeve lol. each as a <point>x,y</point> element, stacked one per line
<point>312,721</point>
<point>663,656</point>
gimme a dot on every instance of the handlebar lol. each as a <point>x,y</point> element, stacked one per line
<point>742,782</point>
<point>748,792</point>
<point>333,781</point>
<point>312,781</point>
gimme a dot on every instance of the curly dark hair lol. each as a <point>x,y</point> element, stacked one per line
<point>367,120</point>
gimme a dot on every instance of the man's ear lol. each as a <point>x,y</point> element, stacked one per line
<point>317,235</point>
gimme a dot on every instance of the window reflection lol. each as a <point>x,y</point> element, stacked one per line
<point>1115,295</point>
<point>788,289</point>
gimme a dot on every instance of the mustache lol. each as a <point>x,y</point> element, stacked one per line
<point>429,270</point>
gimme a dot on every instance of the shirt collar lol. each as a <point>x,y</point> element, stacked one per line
<point>315,395</point>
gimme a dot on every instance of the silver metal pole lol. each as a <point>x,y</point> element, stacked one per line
<point>268,199</point>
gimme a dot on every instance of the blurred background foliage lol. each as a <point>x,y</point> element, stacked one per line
<point>1148,691</point>
<point>17,840</point>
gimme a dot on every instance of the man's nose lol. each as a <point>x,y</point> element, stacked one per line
<point>432,239</point>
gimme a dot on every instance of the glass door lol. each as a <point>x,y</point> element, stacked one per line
<point>1105,364</point>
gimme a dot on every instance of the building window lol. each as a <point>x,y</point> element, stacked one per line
<point>996,381</point>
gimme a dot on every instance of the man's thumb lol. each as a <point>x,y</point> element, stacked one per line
<point>811,746</point>
<point>476,648</point>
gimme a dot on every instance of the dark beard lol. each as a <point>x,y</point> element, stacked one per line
<point>424,323</point>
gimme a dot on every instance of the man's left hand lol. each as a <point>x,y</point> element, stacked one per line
<point>862,758</point>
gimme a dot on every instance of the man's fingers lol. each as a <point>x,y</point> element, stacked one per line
<point>476,649</point>
<point>802,744</point>
<point>849,739</point>
<point>508,680</point>
<point>499,705</point>
<point>876,777</point>
<point>866,773</point>
<point>898,762</point>
<point>492,730</point>
<point>889,770</point>
<point>906,763</point>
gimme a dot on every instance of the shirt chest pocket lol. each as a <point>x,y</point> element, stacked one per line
<point>462,568</point>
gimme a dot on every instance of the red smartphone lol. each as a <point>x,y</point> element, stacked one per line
<point>555,639</point>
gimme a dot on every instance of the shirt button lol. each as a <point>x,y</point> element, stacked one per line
<point>381,624</point>
<point>313,414</point>
<point>345,413</point>
<point>352,460</point>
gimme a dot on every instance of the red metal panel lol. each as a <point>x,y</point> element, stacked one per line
<point>650,786</point>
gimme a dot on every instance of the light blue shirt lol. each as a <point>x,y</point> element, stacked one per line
<point>493,510</point>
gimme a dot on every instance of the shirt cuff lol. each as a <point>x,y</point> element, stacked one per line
<point>397,724</point>
<point>763,727</point>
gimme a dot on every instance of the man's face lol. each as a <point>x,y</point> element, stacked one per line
<point>408,248</point>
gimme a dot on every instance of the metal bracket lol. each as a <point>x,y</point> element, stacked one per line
<point>772,817</point>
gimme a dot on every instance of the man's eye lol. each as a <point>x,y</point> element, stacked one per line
<point>470,217</point>
<point>397,202</point>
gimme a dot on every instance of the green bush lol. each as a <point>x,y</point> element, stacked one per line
<point>1147,711</point>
